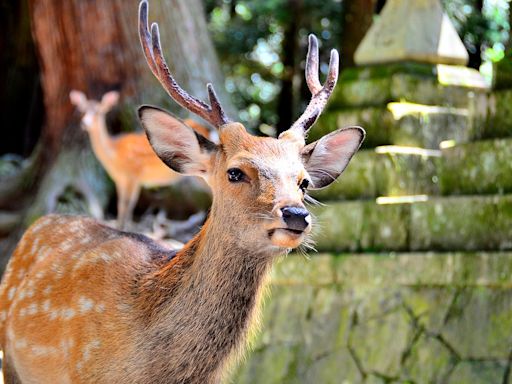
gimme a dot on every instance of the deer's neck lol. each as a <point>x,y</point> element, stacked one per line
<point>208,297</point>
<point>101,141</point>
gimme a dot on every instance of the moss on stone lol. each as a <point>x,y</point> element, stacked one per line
<point>462,223</point>
<point>483,167</point>
<point>493,117</point>
<point>478,372</point>
<point>372,174</point>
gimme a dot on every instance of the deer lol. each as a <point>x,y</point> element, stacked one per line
<point>128,158</point>
<point>81,302</point>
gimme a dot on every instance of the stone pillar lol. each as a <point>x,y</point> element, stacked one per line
<point>410,86</point>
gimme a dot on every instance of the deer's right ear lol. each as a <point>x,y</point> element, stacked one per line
<point>78,99</point>
<point>179,146</point>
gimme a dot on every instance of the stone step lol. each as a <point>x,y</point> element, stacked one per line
<point>442,317</point>
<point>482,167</point>
<point>385,171</point>
<point>406,124</point>
<point>414,82</point>
<point>458,223</point>
<point>493,115</point>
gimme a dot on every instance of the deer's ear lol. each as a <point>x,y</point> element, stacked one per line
<point>78,99</point>
<point>180,147</point>
<point>325,159</point>
<point>109,100</point>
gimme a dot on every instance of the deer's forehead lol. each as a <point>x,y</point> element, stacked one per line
<point>270,162</point>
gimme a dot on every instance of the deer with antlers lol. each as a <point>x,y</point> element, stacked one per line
<point>84,303</point>
<point>128,158</point>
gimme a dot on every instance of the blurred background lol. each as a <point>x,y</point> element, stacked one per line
<point>412,282</point>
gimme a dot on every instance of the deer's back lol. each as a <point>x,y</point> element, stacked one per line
<point>66,300</point>
<point>135,159</point>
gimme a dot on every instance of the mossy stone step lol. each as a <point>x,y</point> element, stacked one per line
<point>418,83</point>
<point>493,115</point>
<point>328,318</point>
<point>462,223</point>
<point>405,124</point>
<point>482,167</point>
<point>385,171</point>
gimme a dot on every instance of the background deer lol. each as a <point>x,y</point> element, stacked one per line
<point>128,158</point>
<point>84,303</point>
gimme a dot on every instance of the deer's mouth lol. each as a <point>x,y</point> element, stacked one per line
<point>286,237</point>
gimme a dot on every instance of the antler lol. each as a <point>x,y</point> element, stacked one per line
<point>213,114</point>
<point>320,94</point>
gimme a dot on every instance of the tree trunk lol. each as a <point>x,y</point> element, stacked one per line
<point>475,54</point>
<point>357,19</point>
<point>93,46</point>
<point>286,102</point>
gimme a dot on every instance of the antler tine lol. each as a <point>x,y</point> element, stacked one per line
<point>152,48</point>
<point>312,66</point>
<point>320,93</point>
<point>145,36</point>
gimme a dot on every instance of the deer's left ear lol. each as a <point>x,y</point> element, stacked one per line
<point>325,159</point>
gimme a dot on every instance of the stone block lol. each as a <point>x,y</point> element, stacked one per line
<point>462,223</point>
<point>385,171</point>
<point>406,124</point>
<point>358,181</point>
<point>478,372</point>
<point>377,121</point>
<point>429,361</point>
<point>479,322</point>
<point>412,82</point>
<point>493,115</point>
<point>361,225</point>
<point>391,330</point>
<point>483,167</point>
<point>427,127</point>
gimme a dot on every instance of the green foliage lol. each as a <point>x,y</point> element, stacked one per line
<point>248,36</point>
<point>488,27</point>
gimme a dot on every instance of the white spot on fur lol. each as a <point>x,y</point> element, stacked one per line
<point>23,312</point>
<point>67,313</point>
<point>32,309</point>
<point>35,246</point>
<point>45,307</point>
<point>54,314</point>
<point>3,315</point>
<point>20,343</point>
<point>66,244</point>
<point>10,294</point>
<point>47,290</point>
<point>85,304</point>
<point>21,274</point>
<point>21,295</point>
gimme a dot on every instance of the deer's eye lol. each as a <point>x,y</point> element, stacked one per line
<point>304,184</point>
<point>236,175</point>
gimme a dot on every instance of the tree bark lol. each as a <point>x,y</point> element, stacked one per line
<point>357,19</point>
<point>93,46</point>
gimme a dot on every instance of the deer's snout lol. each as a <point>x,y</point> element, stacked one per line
<point>296,218</point>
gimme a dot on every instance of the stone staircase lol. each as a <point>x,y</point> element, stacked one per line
<point>413,279</point>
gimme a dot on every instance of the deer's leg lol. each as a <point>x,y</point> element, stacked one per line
<point>133,196</point>
<point>127,196</point>
<point>122,204</point>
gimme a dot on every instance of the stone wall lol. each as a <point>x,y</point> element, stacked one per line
<point>386,318</point>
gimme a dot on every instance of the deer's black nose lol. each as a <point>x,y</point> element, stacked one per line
<point>296,218</point>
